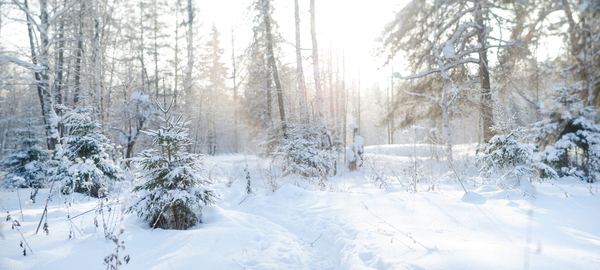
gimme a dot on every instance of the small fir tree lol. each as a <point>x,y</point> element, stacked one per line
<point>84,165</point>
<point>174,186</point>
<point>509,157</point>
<point>569,135</point>
<point>27,166</point>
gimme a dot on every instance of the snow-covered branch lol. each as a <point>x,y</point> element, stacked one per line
<point>17,61</point>
<point>423,95</point>
<point>436,70</point>
<point>8,77</point>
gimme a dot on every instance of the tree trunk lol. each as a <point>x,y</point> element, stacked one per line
<point>43,77</point>
<point>344,103</point>
<point>235,105</point>
<point>78,55</point>
<point>269,87</point>
<point>155,30</point>
<point>331,98</point>
<point>60,63</point>
<point>97,90</point>
<point>446,123</point>
<point>272,63</point>
<point>190,58</point>
<point>487,104</point>
<point>318,93</point>
<point>176,59</point>
<point>299,69</point>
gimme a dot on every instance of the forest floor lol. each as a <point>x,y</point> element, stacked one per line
<point>371,219</point>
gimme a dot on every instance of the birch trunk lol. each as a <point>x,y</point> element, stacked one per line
<point>446,122</point>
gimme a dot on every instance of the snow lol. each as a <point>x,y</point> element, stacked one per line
<point>353,224</point>
<point>140,96</point>
<point>448,50</point>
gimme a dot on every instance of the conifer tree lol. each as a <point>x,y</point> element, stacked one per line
<point>174,185</point>
<point>84,165</point>
<point>569,135</point>
<point>26,167</point>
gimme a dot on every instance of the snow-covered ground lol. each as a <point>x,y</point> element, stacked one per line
<point>362,220</point>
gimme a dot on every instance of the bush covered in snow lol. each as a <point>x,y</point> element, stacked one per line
<point>569,135</point>
<point>26,166</point>
<point>83,164</point>
<point>174,187</point>
<point>301,149</point>
<point>512,160</point>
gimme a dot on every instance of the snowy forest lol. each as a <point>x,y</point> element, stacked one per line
<point>299,134</point>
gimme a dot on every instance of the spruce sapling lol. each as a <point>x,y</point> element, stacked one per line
<point>248,188</point>
<point>84,165</point>
<point>27,166</point>
<point>507,156</point>
<point>174,185</point>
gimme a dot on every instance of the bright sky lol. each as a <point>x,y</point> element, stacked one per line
<point>346,25</point>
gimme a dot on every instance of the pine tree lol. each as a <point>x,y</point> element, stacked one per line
<point>84,165</point>
<point>174,186</point>
<point>27,166</point>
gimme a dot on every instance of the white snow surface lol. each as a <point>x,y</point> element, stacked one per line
<point>352,224</point>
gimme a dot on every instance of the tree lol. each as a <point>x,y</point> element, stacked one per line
<point>84,164</point>
<point>272,62</point>
<point>187,85</point>
<point>27,166</point>
<point>509,156</point>
<point>258,92</point>
<point>299,69</point>
<point>443,38</point>
<point>139,113</point>
<point>40,63</point>
<point>315,56</point>
<point>568,135</point>
<point>174,185</point>
<point>214,73</point>
<point>584,45</point>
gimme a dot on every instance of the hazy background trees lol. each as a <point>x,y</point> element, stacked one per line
<point>467,58</point>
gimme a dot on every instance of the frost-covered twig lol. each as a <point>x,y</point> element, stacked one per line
<point>378,176</point>
<point>45,213</point>
<point>405,234</point>
<point>311,244</point>
<point>16,225</point>
<point>113,261</point>
<point>451,166</point>
<point>21,207</point>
